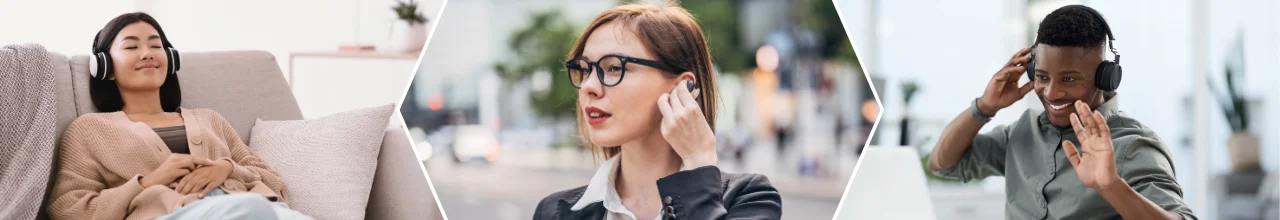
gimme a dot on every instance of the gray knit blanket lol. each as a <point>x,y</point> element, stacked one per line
<point>27,130</point>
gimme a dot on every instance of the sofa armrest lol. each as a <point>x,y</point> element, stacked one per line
<point>400,187</point>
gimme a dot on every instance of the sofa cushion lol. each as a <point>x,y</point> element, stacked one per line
<point>66,103</point>
<point>400,187</point>
<point>241,85</point>
<point>66,108</point>
<point>327,163</point>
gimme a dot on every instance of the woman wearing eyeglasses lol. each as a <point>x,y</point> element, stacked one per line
<point>646,97</point>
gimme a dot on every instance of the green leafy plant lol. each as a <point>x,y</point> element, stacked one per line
<point>1235,106</point>
<point>821,16</point>
<point>541,46</point>
<point>408,12</point>
<point>720,24</point>
<point>909,90</point>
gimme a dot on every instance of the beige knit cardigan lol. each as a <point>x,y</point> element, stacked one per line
<point>102,156</point>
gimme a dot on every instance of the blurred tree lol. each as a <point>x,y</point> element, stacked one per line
<point>540,48</point>
<point>720,24</point>
<point>821,16</point>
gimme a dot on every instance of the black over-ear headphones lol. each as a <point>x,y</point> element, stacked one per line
<point>101,66</point>
<point>1107,76</point>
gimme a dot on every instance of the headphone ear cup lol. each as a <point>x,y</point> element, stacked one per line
<point>1108,76</point>
<point>100,66</point>
<point>1031,68</point>
<point>175,60</point>
<point>93,66</point>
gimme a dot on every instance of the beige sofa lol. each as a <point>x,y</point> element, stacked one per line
<point>246,85</point>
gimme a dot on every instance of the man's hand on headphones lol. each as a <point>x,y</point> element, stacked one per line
<point>1003,89</point>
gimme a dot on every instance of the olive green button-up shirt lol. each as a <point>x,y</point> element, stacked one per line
<point>1041,184</point>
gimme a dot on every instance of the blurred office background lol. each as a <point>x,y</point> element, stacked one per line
<point>930,58</point>
<point>491,110</point>
<point>304,36</point>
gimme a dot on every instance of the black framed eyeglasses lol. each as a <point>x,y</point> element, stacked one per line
<point>609,69</point>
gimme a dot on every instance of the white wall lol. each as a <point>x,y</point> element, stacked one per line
<point>66,28</point>
<point>278,27</point>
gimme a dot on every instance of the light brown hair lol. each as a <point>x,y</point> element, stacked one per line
<point>672,35</point>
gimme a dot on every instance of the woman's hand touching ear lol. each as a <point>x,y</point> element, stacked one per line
<point>686,129</point>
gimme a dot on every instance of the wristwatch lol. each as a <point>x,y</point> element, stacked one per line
<point>977,115</point>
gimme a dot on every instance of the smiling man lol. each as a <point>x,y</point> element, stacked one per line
<point>1122,169</point>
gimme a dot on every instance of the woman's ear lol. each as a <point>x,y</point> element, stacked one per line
<point>687,76</point>
<point>694,86</point>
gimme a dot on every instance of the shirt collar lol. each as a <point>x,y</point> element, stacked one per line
<point>1111,106</point>
<point>602,189</point>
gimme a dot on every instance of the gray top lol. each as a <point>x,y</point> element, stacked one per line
<point>175,137</point>
<point>1041,184</point>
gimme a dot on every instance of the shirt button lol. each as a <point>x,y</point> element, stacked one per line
<point>667,200</point>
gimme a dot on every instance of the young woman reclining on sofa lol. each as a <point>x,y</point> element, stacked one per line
<point>143,156</point>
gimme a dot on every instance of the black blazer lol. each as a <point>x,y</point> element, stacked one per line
<point>702,193</point>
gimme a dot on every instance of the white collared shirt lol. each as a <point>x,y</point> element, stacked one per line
<point>602,189</point>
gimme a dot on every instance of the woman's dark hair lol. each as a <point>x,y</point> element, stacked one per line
<point>104,92</point>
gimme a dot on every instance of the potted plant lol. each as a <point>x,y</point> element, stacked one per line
<point>909,90</point>
<point>1240,185</point>
<point>408,12</point>
<point>1243,144</point>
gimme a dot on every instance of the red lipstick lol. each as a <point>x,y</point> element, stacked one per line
<point>595,116</point>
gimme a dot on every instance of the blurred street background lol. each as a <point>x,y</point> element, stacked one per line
<point>1200,73</point>
<point>491,109</point>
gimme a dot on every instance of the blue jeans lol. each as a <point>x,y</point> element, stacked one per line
<point>220,205</point>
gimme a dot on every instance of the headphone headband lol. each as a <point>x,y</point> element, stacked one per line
<point>97,38</point>
<point>100,63</point>
<point>1111,38</point>
<point>1109,73</point>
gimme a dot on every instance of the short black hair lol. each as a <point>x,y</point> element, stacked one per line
<point>1073,26</point>
<point>104,92</point>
